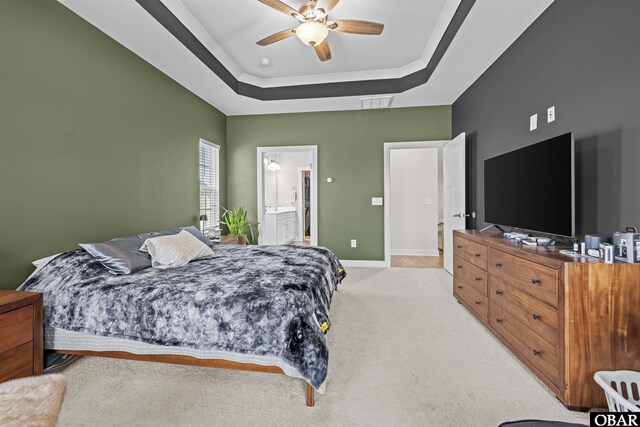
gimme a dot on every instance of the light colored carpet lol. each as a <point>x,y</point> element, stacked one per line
<point>402,352</point>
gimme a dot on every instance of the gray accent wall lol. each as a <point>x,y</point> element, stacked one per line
<point>583,57</point>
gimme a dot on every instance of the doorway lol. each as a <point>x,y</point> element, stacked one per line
<point>414,199</point>
<point>287,195</point>
<point>423,252</point>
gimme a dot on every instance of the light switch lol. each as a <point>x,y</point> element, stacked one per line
<point>354,243</point>
<point>376,201</point>
<point>533,122</point>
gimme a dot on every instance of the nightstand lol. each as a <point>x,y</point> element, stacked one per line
<point>21,334</point>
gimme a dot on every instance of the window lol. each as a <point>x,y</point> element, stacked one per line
<point>209,187</point>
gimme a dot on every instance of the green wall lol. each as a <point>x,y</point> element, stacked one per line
<point>94,142</point>
<point>350,150</point>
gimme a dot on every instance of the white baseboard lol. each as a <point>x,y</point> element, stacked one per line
<point>364,263</point>
<point>415,252</point>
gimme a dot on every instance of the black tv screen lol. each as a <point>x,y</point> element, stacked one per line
<point>533,188</point>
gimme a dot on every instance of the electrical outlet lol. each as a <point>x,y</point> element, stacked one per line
<point>354,243</point>
<point>551,114</point>
<point>376,201</point>
<point>533,122</point>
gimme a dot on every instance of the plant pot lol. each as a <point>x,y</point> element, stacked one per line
<point>232,240</point>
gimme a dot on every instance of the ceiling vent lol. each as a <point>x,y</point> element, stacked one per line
<point>376,103</point>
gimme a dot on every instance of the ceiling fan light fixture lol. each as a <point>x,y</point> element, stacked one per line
<point>312,33</point>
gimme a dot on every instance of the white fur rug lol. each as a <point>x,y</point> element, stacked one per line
<point>31,402</point>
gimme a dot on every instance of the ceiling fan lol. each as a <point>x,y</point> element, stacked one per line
<point>314,26</point>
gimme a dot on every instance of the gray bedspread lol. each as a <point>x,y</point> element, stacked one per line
<point>261,300</point>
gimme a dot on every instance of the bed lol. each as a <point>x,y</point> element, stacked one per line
<point>258,308</point>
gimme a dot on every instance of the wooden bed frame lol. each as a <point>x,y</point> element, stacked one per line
<point>189,360</point>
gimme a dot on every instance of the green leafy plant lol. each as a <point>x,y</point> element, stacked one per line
<point>236,222</point>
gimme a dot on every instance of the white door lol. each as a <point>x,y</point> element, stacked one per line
<point>454,194</point>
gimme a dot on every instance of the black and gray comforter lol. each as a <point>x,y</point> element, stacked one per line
<point>259,300</point>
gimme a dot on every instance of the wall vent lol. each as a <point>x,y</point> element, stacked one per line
<point>375,103</point>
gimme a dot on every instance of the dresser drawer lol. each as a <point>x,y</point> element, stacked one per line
<point>472,298</point>
<point>542,355</point>
<point>469,273</point>
<point>535,279</point>
<point>470,251</point>
<point>16,327</point>
<point>536,315</point>
<point>17,362</point>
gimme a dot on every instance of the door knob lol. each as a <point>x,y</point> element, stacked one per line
<point>461,215</point>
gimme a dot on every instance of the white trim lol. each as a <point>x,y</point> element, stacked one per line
<point>388,146</point>
<point>364,263</point>
<point>415,252</point>
<point>204,141</point>
<point>311,149</point>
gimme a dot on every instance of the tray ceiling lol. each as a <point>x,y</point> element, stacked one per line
<point>228,30</point>
<point>236,26</point>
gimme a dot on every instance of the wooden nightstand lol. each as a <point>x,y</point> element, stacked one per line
<point>21,334</point>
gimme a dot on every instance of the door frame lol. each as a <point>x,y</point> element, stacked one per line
<point>313,150</point>
<point>388,146</point>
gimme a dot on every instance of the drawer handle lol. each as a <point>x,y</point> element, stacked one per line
<point>477,255</point>
<point>477,302</point>
<point>535,316</point>
<point>536,352</point>
<point>535,281</point>
<point>478,279</point>
<point>459,266</point>
<point>459,287</point>
<point>499,292</point>
<point>498,265</point>
<point>498,320</point>
<point>459,247</point>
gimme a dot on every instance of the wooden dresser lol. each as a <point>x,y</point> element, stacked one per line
<point>21,334</point>
<point>565,318</point>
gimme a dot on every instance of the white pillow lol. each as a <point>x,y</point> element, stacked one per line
<point>39,263</point>
<point>175,250</point>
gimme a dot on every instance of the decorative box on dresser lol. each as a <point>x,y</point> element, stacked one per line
<point>21,334</point>
<point>564,318</point>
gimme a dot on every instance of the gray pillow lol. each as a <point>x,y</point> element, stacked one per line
<point>121,255</point>
<point>190,228</point>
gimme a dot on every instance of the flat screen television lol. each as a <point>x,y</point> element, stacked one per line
<point>533,188</point>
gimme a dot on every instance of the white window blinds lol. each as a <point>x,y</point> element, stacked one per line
<point>209,187</point>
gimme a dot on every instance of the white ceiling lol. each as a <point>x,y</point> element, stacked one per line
<point>236,25</point>
<point>230,28</point>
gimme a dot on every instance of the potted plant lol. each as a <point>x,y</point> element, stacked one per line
<point>237,226</point>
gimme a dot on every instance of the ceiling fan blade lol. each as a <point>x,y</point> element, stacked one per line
<point>326,5</point>
<point>323,51</point>
<point>353,26</point>
<point>277,37</point>
<point>281,7</point>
